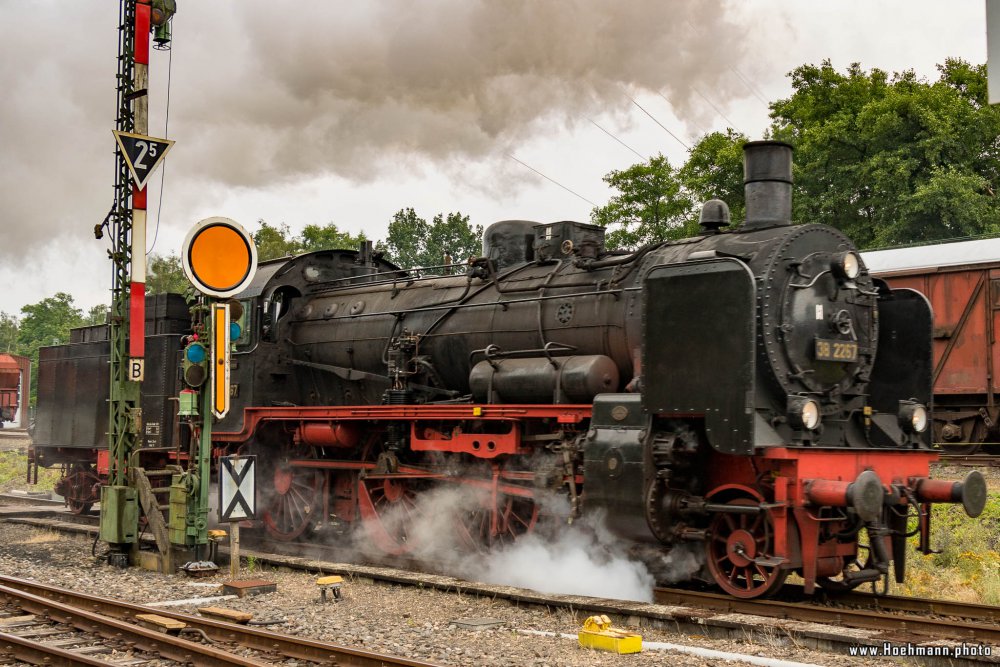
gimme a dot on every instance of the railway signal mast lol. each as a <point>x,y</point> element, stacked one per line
<point>137,156</point>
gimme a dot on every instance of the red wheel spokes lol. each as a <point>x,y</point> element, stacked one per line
<point>294,503</point>
<point>737,542</point>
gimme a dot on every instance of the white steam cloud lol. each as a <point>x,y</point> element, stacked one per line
<point>584,558</point>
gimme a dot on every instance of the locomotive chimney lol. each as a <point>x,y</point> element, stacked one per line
<point>767,182</point>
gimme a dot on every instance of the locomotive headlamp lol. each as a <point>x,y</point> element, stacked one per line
<point>803,412</point>
<point>913,417</point>
<point>846,265</point>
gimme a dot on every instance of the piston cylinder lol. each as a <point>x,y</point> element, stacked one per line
<point>328,434</point>
<point>534,380</point>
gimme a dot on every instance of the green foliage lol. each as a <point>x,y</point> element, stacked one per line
<point>893,159</point>
<point>273,242</point>
<point>96,315</point>
<point>8,333</point>
<point>967,563</point>
<point>412,241</point>
<point>714,170</point>
<point>651,205</point>
<point>656,202</point>
<point>165,275</point>
<point>314,238</point>
<point>46,323</point>
<point>13,465</point>
<point>406,239</point>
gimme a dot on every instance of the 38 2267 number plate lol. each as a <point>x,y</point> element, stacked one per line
<point>836,350</point>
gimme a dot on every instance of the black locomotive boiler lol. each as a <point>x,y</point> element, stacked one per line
<point>752,390</point>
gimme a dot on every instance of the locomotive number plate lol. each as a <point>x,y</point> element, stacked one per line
<point>836,350</point>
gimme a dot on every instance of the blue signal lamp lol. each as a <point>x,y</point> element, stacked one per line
<point>195,353</point>
<point>235,331</point>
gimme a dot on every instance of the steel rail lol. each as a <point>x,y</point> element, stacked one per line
<point>261,640</point>
<point>949,608</point>
<point>35,652</point>
<point>984,460</point>
<point>150,641</point>
<point>854,618</point>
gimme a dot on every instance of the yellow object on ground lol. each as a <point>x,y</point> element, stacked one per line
<point>597,633</point>
<point>331,584</point>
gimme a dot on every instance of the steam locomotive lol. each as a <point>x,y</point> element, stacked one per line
<point>753,392</point>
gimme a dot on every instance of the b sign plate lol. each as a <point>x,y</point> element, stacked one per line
<point>237,488</point>
<point>136,369</point>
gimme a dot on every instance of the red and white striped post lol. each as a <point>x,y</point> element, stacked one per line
<point>137,285</point>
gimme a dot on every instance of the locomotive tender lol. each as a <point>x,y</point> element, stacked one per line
<point>754,391</point>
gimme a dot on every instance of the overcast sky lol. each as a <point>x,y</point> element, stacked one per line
<point>342,112</point>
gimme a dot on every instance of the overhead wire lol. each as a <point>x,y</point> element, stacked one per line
<point>717,110</point>
<point>676,138</point>
<point>638,154</point>
<point>749,85</point>
<point>551,180</point>
<point>698,125</point>
<point>166,135</point>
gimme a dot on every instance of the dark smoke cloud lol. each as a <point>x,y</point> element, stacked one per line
<point>266,92</point>
<point>343,89</point>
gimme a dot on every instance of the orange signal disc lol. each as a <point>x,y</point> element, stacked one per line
<point>220,257</point>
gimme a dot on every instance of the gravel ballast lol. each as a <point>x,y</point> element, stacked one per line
<point>415,622</point>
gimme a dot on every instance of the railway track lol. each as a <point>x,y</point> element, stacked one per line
<point>43,622</point>
<point>834,622</point>
<point>973,460</point>
<point>935,619</point>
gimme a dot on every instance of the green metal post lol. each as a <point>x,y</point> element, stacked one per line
<point>204,470</point>
<point>119,515</point>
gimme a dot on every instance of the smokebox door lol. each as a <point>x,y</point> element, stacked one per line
<point>699,330</point>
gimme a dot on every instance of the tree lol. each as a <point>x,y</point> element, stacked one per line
<point>893,159</point>
<point>412,241</point>
<point>452,238</point>
<point>314,238</point>
<point>405,241</point>
<point>714,170</point>
<point>274,242</point>
<point>165,274</point>
<point>96,315</point>
<point>8,333</point>
<point>651,205</point>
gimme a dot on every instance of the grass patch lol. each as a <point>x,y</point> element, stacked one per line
<point>41,538</point>
<point>14,472</point>
<point>967,567</point>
